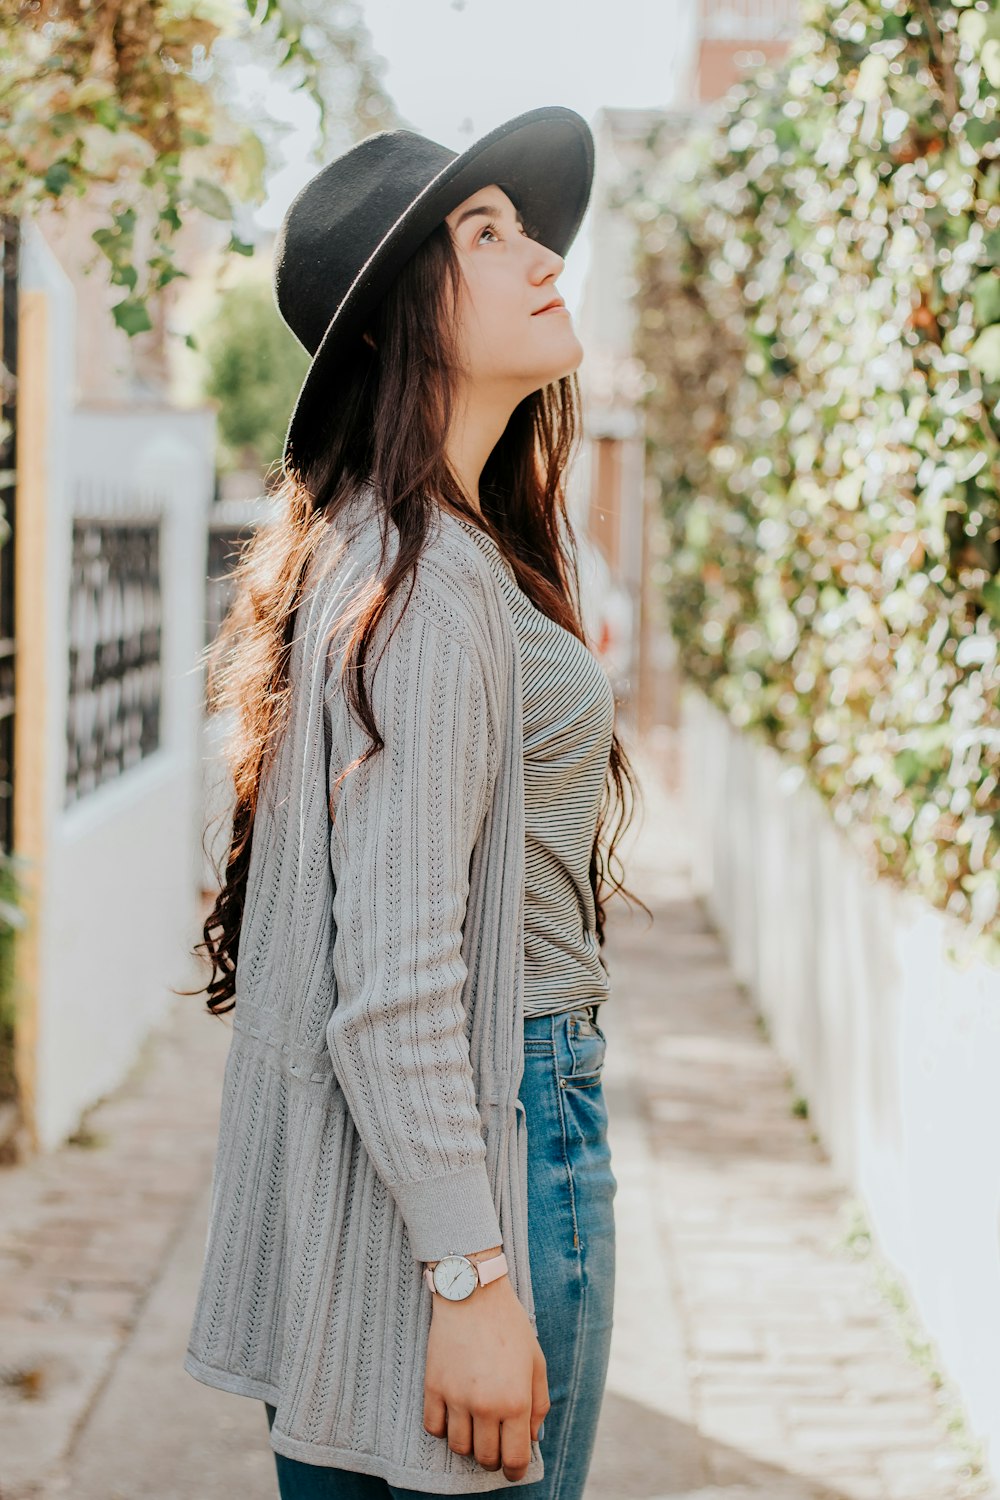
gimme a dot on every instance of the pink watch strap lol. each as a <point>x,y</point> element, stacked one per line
<point>490,1269</point>
<point>487,1270</point>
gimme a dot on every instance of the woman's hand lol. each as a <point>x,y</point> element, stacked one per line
<point>485,1384</point>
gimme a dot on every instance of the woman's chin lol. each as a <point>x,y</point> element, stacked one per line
<point>573,361</point>
<point>567,354</point>
<point>557,364</point>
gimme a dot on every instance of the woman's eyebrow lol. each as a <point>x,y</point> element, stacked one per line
<point>487,211</point>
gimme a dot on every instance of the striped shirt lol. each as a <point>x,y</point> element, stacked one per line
<point>568,706</point>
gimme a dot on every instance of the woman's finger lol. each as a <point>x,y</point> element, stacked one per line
<point>515,1445</point>
<point>435,1414</point>
<point>487,1442</point>
<point>459,1430</point>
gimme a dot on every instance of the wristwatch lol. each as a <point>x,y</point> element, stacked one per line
<point>456,1276</point>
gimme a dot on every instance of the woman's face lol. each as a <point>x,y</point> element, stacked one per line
<point>505,340</point>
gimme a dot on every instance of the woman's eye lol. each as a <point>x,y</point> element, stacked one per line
<point>496,230</point>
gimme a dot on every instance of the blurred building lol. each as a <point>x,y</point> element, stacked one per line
<point>735,38</point>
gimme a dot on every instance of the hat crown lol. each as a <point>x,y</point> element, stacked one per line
<point>337,221</point>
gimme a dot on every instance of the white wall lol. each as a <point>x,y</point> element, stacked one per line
<point>121,866</point>
<point>895,1046</point>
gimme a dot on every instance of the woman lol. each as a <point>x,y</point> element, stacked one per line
<point>413,888</point>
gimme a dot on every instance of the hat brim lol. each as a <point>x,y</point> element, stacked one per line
<point>545,156</point>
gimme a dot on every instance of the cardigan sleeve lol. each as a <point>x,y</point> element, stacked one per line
<point>404,826</point>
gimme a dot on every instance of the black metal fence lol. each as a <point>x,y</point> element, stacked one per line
<point>225,543</point>
<point>115,635</point>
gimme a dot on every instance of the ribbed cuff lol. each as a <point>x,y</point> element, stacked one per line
<point>453,1212</point>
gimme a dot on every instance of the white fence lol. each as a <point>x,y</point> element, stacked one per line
<point>895,1047</point>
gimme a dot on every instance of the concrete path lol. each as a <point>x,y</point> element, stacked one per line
<point>752,1357</point>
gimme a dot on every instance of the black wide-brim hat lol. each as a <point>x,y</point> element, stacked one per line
<point>350,230</point>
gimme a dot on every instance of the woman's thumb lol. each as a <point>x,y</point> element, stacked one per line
<point>539,1395</point>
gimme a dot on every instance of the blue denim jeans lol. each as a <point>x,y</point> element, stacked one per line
<point>572,1250</point>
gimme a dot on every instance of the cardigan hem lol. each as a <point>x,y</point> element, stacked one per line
<point>225,1380</point>
<point>429,1481</point>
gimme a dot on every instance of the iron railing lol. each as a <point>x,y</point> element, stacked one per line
<point>115,669</point>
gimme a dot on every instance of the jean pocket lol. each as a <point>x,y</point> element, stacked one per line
<point>582,1054</point>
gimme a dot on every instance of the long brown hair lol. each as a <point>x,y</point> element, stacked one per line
<point>387,420</point>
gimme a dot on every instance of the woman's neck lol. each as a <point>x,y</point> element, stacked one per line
<point>478,423</point>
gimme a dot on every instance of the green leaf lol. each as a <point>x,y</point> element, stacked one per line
<point>986,298</point>
<point>107,112</point>
<point>132,316</point>
<point>63,121</point>
<point>991,597</point>
<point>980,132</point>
<point>124,274</point>
<point>106,239</point>
<point>169,273</point>
<point>239,247</point>
<point>985,353</point>
<point>930,751</point>
<point>58,176</point>
<point>210,198</point>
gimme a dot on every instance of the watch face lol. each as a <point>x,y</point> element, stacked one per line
<point>455,1277</point>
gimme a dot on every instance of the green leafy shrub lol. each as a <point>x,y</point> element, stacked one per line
<point>253,370</point>
<point>819,329</point>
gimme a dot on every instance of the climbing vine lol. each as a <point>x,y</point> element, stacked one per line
<point>819,347</point>
<point>121,101</point>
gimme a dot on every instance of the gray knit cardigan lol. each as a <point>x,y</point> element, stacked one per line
<point>370,1117</point>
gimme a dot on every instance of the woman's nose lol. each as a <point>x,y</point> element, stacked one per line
<point>549,263</point>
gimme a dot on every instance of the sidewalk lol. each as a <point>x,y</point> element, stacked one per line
<point>752,1355</point>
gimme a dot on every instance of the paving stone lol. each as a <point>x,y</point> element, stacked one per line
<point>732,1340</point>
<point>51,1372</point>
<point>776,1388</point>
